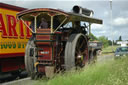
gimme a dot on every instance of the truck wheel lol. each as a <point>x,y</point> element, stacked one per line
<point>99,52</point>
<point>29,59</point>
<point>76,51</point>
<point>92,57</point>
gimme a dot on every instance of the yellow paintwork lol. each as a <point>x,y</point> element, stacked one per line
<point>7,50</point>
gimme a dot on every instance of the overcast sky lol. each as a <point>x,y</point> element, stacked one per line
<point>101,10</point>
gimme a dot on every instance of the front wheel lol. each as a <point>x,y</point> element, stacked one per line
<point>30,58</point>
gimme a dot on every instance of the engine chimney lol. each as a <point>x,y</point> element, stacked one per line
<point>80,10</point>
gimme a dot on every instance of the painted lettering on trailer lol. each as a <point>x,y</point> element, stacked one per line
<point>10,31</point>
<point>9,45</point>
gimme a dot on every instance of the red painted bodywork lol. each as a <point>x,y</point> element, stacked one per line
<point>12,64</point>
<point>46,46</point>
<point>49,48</point>
<point>9,55</point>
<point>11,7</point>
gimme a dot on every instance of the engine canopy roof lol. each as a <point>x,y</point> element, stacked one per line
<point>27,15</point>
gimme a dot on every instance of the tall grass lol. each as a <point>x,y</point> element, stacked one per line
<point>110,48</point>
<point>108,73</point>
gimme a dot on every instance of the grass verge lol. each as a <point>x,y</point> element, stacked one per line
<point>109,50</point>
<point>108,73</point>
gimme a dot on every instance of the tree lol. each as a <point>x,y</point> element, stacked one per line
<point>92,37</point>
<point>120,38</point>
<point>109,42</point>
<point>104,40</point>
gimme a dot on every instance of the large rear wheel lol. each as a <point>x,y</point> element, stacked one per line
<point>76,51</point>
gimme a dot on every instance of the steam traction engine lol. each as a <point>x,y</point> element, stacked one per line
<point>62,45</point>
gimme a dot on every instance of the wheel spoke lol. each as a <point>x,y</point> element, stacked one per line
<point>78,46</point>
<point>82,44</point>
<point>80,51</point>
<point>83,52</point>
<point>77,52</point>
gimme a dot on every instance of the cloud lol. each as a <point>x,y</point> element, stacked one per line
<point>106,13</point>
<point>97,26</point>
<point>101,10</point>
<point>120,21</point>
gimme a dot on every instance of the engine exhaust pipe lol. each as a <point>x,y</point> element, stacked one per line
<point>80,10</point>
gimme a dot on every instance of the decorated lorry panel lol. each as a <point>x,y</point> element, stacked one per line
<point>13,38</point>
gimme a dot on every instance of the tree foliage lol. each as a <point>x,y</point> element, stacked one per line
<point>92,37</point>
<point>104,40</point>
<point>120,38</point>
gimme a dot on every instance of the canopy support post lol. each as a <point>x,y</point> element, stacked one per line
<point>35,24</point>
<point>52,24</point>
<point>26,25</point>
<point>60,24</point>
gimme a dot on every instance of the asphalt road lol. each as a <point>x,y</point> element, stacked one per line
<point>103,58</point>
<point>25,81</point>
